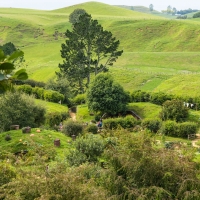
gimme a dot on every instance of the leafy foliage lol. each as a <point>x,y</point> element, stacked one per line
<point>174,129</point>
<point>149,173</point>
<point>196,15</point>
<point>7,68</point>
<point>72,128</point>
<point>17,108</point>
<point>62,86</point>
<point>87,49</point>
<point>86,149</point>
<point>106,96</point>
<point>152,124</point>
<point>174,110</point>
<point>75,15</point>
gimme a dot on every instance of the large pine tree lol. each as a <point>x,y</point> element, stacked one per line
<point>87,49</point>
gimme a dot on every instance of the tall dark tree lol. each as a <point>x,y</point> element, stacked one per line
<point>88,49</point>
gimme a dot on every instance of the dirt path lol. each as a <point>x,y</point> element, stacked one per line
<point>196,140</point>
<point>73,116</point>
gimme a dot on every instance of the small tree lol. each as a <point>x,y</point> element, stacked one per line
<point>174,110</point>
<point>106,96</point>
<point>151,7</point>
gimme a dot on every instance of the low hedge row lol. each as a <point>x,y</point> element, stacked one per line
<point>159,98</point>
<point>126,122</point>
<point>40,93</point>
<point>172,128</point>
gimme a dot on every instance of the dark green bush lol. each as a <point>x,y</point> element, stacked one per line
<point>160,97</point>
<point>19,108</point>
<point>92,128</point>
<point>34,83</point>
<point>79,99</point>
<point>172,128</point>
<point>186,128</point>
<point>91,146</point>
<point>140,96</point>
<point>53,96</point>
<point>54,119</point>
<point>174,110</point>
<point>114,123</point>
<point>7,173</point>
<point>72,128</point>
<point>25,88</point>
<point>152,124</point>
<point>8,137</point>
<point>196,15</point>
<point>39,92</point>
<point>169,128</point>
<point>76,158</point>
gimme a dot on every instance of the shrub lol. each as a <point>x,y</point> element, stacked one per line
<point>182,130</point>
<point>174,110</point>
<point>76,158</point>
<point>39,92</point>
<point>186,128</point>
<point>72,128</point>
<point>169,128</point>
<point>160,97</point>
<point>152,124</point>
<point>140,96</point>
<point>18,108</point>
<point>106,96</point>
<point>114,123</point>
<point>8,137</point>
<point>7,173</point>
<point>86,149</point>
<point>92,128</point>
<point>79,99</point>
<point>53,96</point>
<point>55,118</point>
<point>34,83</point>
<point>25,88</point>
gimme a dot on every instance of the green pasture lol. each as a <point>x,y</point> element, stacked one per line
<point>158,52</point>
<point>21,141</point>
<point>52,107</point>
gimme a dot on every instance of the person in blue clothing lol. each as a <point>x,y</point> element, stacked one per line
<point>100,124</point>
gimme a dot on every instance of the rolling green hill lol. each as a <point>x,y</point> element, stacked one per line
<point>157,50</point>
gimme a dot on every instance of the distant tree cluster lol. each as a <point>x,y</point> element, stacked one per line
<point>183,12</point>
<point>182,17</point>
<point>151,7</point>
<point>196,15</point>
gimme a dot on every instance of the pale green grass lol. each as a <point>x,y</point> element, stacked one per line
<point>145,110</point>
<point>156,50</point>
<point>45,138</point>
<point>83,113</point>
<point>52,107</point>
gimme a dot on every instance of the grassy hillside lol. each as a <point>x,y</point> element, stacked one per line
<point>156,50</point>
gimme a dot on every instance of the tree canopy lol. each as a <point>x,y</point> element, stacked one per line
<point>88,49</point>
<point>106,96</point>
<point>174,110</point>
<point>74,16</point>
